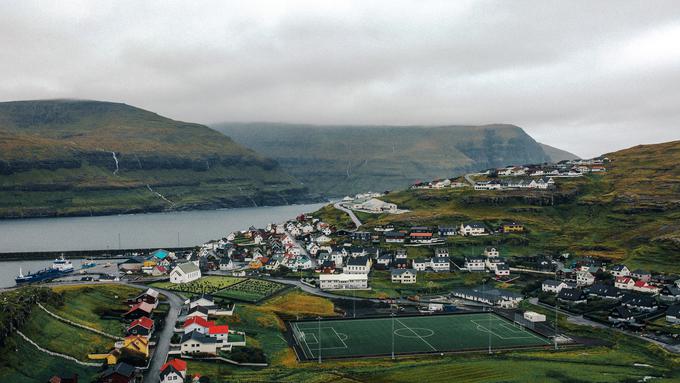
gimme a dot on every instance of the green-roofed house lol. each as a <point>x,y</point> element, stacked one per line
<point>185,273</point>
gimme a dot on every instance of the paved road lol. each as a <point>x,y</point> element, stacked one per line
<point>469,179</point>
<point>160,354</point>
<point>351,214</point>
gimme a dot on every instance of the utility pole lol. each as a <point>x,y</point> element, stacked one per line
<point>319,319</point>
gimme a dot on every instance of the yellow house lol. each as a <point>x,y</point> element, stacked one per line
<point>135,344</point>
<point>149,263</point>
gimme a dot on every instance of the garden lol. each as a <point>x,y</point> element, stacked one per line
<point>250,290</point>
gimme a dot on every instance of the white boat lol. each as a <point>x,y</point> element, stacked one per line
<point>62,264</point>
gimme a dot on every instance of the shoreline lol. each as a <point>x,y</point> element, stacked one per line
<point>82,254</point>
<point>139,211</point>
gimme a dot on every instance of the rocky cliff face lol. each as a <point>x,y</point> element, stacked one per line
<point>339,160</point>
<point>68,157</point>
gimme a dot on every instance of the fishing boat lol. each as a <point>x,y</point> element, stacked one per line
<point>88,263</point>
<point>60,267</point>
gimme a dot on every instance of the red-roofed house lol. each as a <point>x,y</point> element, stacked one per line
<point>199,324</point>
<point>139,310</point>
<point>141,326</point>
<point>219,332</point>
<point>645,287</point>
<point>175,371</point>
<point>624,283</point>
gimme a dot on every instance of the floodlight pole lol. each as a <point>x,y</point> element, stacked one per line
<point>319,320</point>
<point>556,317</point>
<point>392,315</point>
<point>489,324</point>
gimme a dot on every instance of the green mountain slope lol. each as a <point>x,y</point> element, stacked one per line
<point>68,157</point>
<point>339,160</point>
<point>631,213</point>
<point>557,155</point>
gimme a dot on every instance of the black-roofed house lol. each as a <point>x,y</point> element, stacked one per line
<point>621,314</point>
<point>358,265</point>
<point>673,314</point>
<point>404,276</point>
<point>119,373</point>
<point>601,290</point>
<point>640,302</point>
<point>572,296</point>
<point>670,293</point>
<point>196,343</point>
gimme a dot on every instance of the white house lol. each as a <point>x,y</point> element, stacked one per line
<point>422,264</point>
<point>619,271</point>
<point>185,273</point>
<point>553,286</point>
<point>197,343</point>
<point>624,283</point>
<point>441,264</point>
<point>405,276</point>
<point>357,265</point>
<point>584,278</point>
<point>474,264</point>
<point>491,252</point>
<point>472,229</point>
<point>174,371</point>
<point>375,205</point>
<point>343,281</point>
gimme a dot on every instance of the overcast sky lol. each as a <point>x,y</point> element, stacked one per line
<point>589,77</point>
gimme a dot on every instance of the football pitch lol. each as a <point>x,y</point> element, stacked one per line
<point>346,338</point>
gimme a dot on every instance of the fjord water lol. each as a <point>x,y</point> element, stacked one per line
<point>153,230</point>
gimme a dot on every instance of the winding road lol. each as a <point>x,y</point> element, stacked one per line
<point>357,222</point>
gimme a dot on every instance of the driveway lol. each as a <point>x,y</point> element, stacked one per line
<point>338,205</point>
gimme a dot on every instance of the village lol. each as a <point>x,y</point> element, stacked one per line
<point>424,270</point>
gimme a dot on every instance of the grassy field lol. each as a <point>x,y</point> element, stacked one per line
<point>88,305</point>
<point>21,362</point>
<point>206,285</point>
<point>616,215</point>
<point>250,290</point>
<point>63,338</point>
<point>411,335</point>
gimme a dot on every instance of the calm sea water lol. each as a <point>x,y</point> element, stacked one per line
<point>155,230</point>
<point>139,230</point>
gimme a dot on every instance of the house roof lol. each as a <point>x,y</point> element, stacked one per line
<point>568,294</point>
<point>143,306</point>
<point>673,310</point>
<point>187,267</point>
<point>402,271</point>
<point>198,337</point>
<point>150,292</point>
<point>621,312</point>
<point>639,300</point>
<point>123,369</point>
<point>603,290</point>
<point>203,296</point>
<point>199,321</point>
<point>223,329</point>
<point>641,272</point>
<point>552,282</point>
<point>357,261</point>
<point>160,254</point>
<point>200,309</point>
<point>145,322</point>
<point>177,364</point>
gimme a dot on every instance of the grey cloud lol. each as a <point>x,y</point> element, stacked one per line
<point>585,76</point>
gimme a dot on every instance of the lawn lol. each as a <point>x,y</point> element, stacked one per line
<point>410,335</point>
<point>250,290</point>
<point>93,306</point>
<point>63,338</point>
<point>21,362</point>
<point>206,285</point>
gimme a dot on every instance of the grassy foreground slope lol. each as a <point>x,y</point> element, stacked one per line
<point>631,213</point>
<point>339,160</point>
<point>69,157</point>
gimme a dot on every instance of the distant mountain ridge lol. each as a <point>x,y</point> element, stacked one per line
<point>339,160</point>
<point>77,157</point>
<point>557,155</point>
